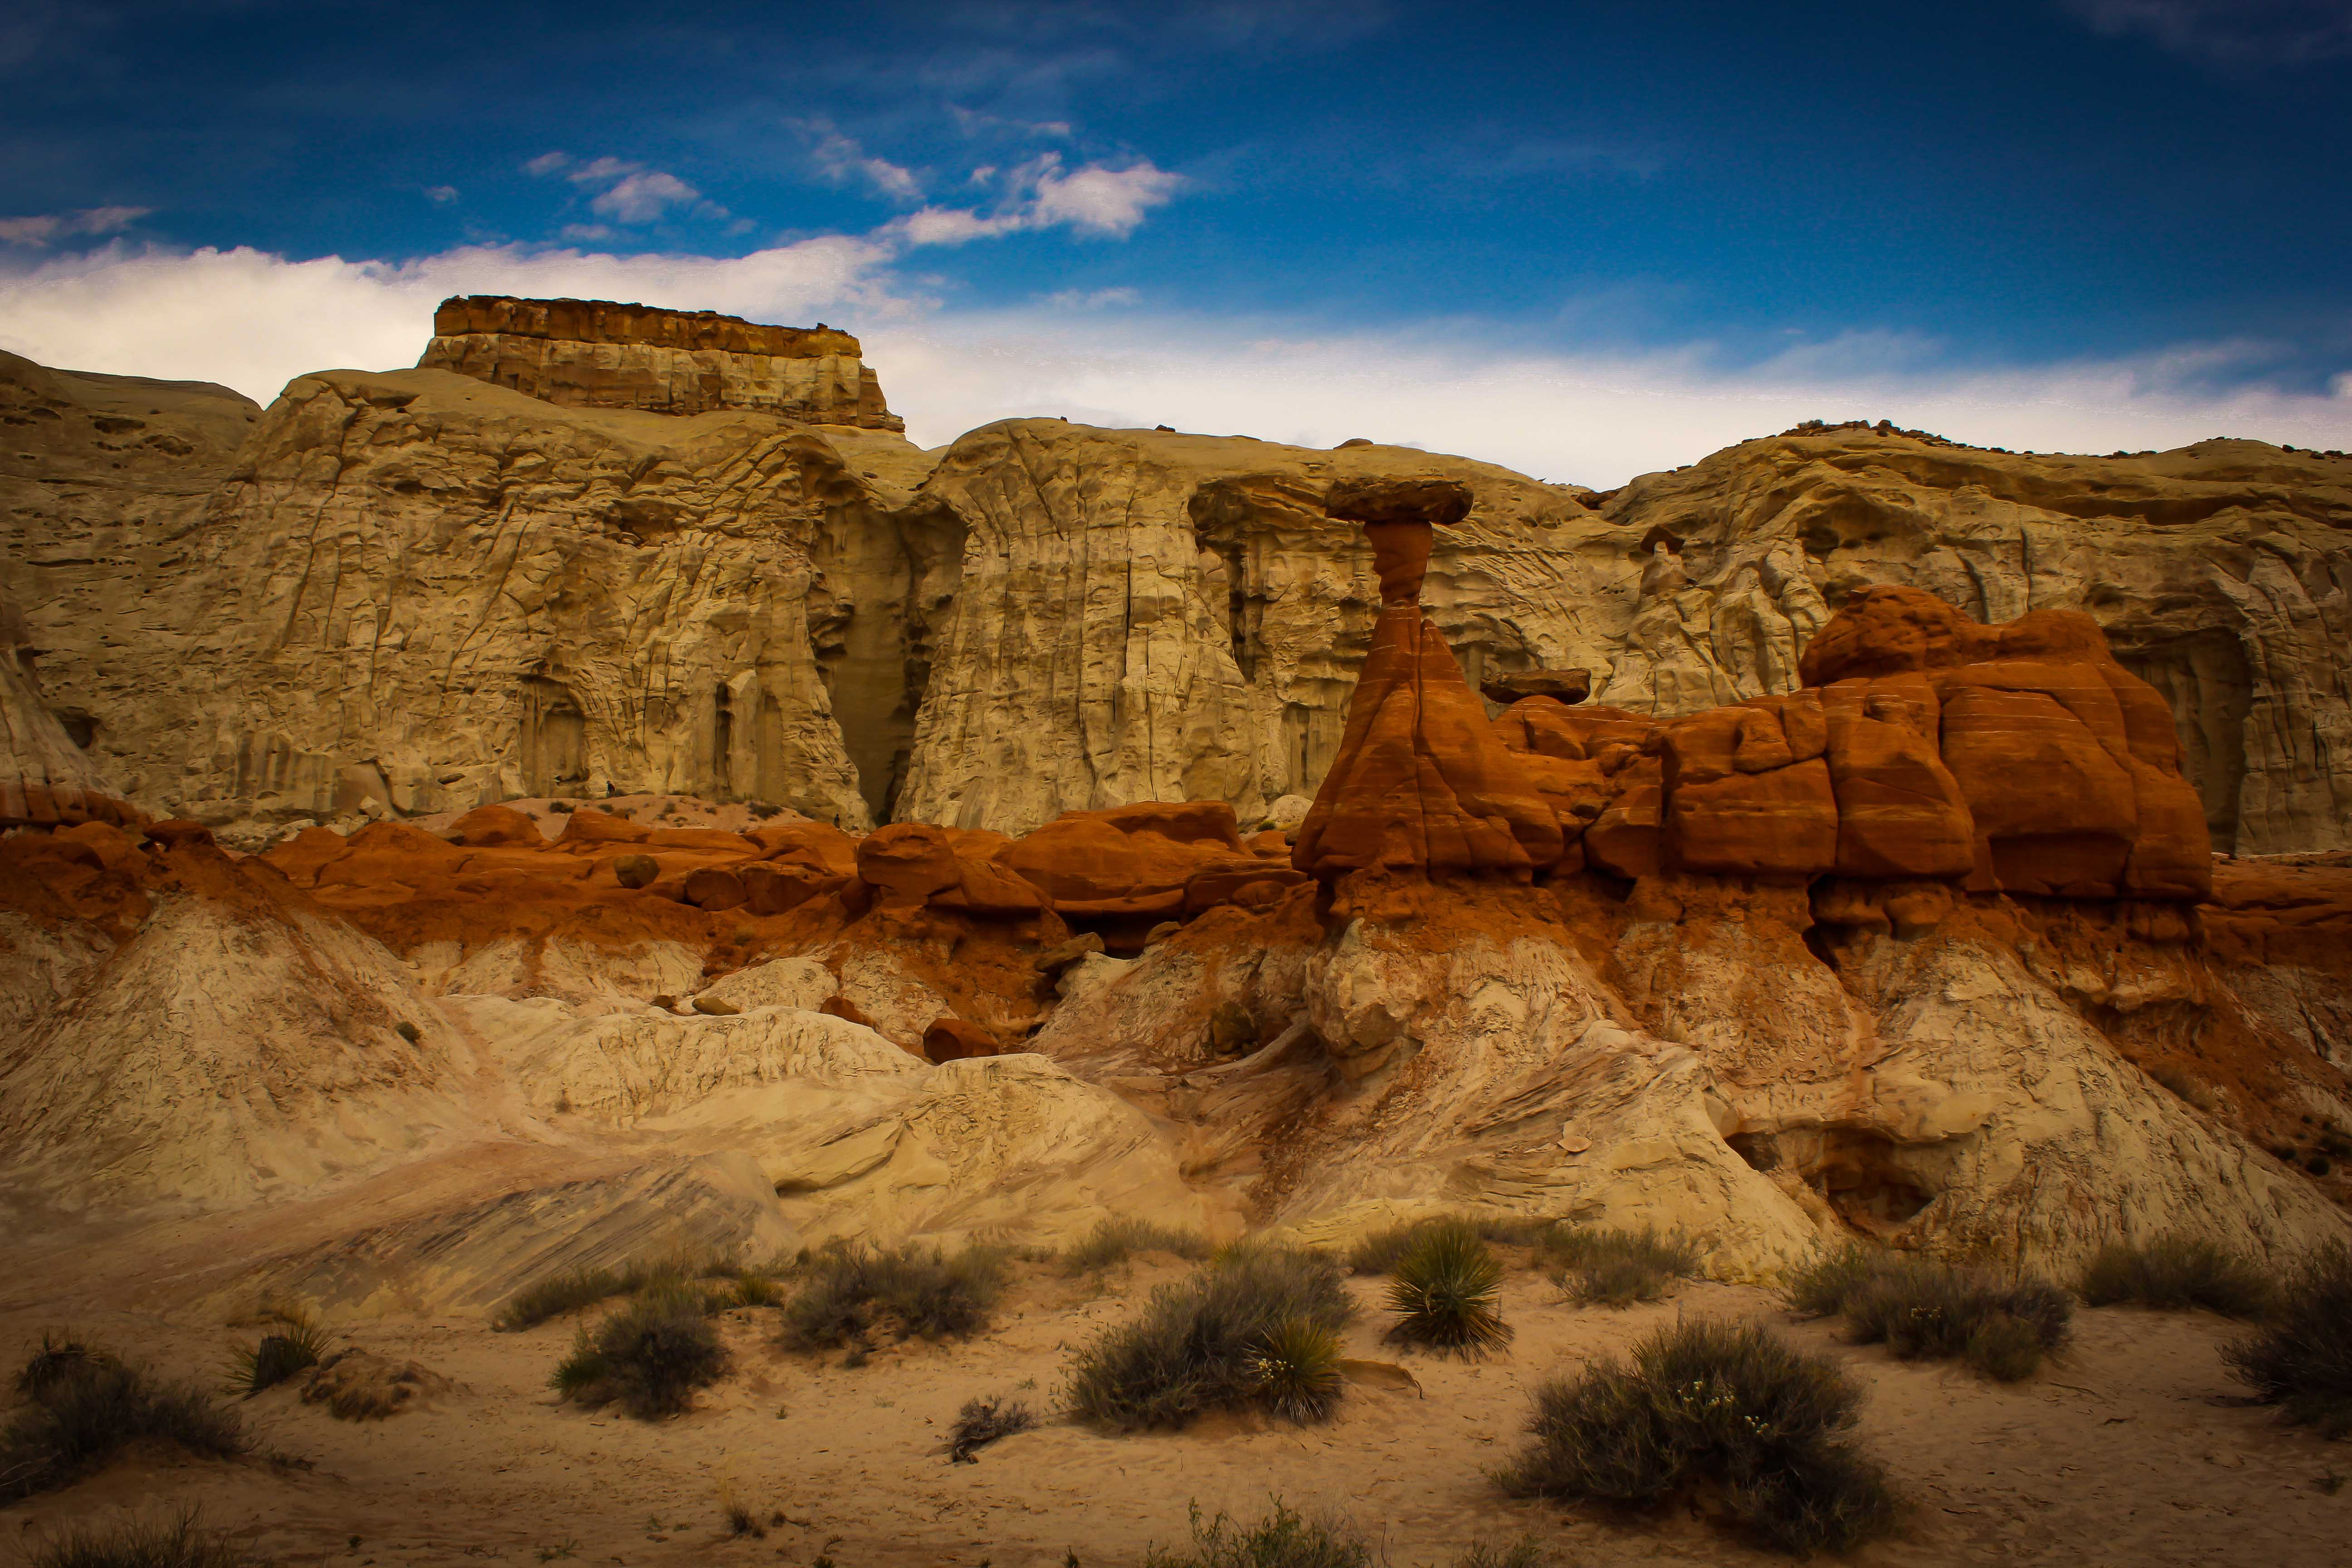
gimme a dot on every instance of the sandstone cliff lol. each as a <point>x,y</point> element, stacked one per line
<point>593,353</point>
<point>508,596</point>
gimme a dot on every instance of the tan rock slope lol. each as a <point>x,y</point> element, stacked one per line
<point>523,597</point>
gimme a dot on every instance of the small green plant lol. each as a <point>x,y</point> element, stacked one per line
<point>2178,1272</point>
<point>1295,1369</point>
<point>179,1542</point>
<point>1523,1552</point>
<point>293,1344</point>
<point>1702,1407</point>
<point>1219,1339</point>
<point>84,1405</point>
<point>755,1289</point>
<point>1615,1268</point>
<point>1114,1241</point>
<point>1445,1289</point>
<point>650,1357</point>
<point>1281,1539</point>
<point>578,1288</point>
<point>854,1294</point>
<point>743,1521</point>
<point>1920,1308</point>
<point>2300,1358</point>
<point>981,1422</point>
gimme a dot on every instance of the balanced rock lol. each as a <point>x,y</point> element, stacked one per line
<point>1421,782</point>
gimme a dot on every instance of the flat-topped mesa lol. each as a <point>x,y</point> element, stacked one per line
<point>1421,782</point>
<point>596,354</point>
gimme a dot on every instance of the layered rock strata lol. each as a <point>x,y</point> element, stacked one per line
<point>594,353</point>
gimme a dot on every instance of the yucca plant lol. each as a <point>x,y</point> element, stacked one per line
<point>1445,1290</point>
<point>1296,1370</point>
<point>293,1344</point>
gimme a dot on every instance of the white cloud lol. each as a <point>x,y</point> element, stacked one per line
<point>1097,199</point>
<point>1091,299</point>
<point>254,320</point>
<point>643,197</point>
<point>546,164</point>
<point>47,226</point>
<point>587,233</point>
<point>597,171</point>
<point>2232,32</point>
<point>441,194</point>
<point>1093,199</point>
<point>843,161</point>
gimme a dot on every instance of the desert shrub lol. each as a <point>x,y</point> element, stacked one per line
<point>1114,1241</point>
<point>2300,1358</point>
<point>2178,1272</point>
<point>1821,1285</point>
<point>853,1294</point>
<point>1281,1539</point>
<point>1523,1552</point>
<point>1377,1252</point>
<point>981,1422</point>
<point>84,1405</point>
<point>650,1357</point>
<point>180,1543</point>
<point>294,1343</point>
<point>1732,1408</point>
<point>753,1289</point>
<point>578,1288</point>
<point>1445,1290</point>
<point>1255,1327</point>
<point>1922,1309</point>
<point>1615,1268</point>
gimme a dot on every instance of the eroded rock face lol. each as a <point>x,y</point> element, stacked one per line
<point>2216,572</point>
<point>594,353</point>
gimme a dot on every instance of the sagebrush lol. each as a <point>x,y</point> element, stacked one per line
<point>84,1405</point>
<point>981,1422</point>
<point>178,1543</point>
<point>1921,1308</point>
<point>1114,1241</point>
<point>650,1357</point>
<point>1256,1327</point>
<point>1283,1539</point>
<point>2300,1359</point>
<point>1376,1251</point>
<point>577,1288</point>
<point>1615,1268</point>
<point>1728,1410</point>
<point>2179,1272</point>
<point>855,1295</point>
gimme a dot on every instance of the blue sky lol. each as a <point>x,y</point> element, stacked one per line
<point>1579,238</point>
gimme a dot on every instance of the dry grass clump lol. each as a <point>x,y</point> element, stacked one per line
<point>83,1405</point>
<point>1445,1290</point>
<point>981,1422</point>
<point>1919,1307</point>
<point>578,1288</point>
<point>852,1295</point>
<point>1732,1409</point>
<point>1615,1268</point>
<point>1378,1251</point>
<point>2179,1272</point>
<point>1256,1328</point>
<point>650,1357</point>
<point>292,1345</point>
<point>1281,1539</point>
<point>144,1543</point>
<point>2300,1358</point>
<point>1114,1241</point>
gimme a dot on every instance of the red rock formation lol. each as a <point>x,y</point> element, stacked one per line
<point>1420,781</point>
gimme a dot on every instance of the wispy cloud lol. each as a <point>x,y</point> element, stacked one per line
<point>845,161</point>
<point>2229,32</point>
<point>441,195</point>
<point>254,320</point>
<point>1092,199</point>
<point>643,197</point>
<point>49,228</point>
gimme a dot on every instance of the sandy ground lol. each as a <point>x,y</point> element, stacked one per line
<point>2133,1450</point>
